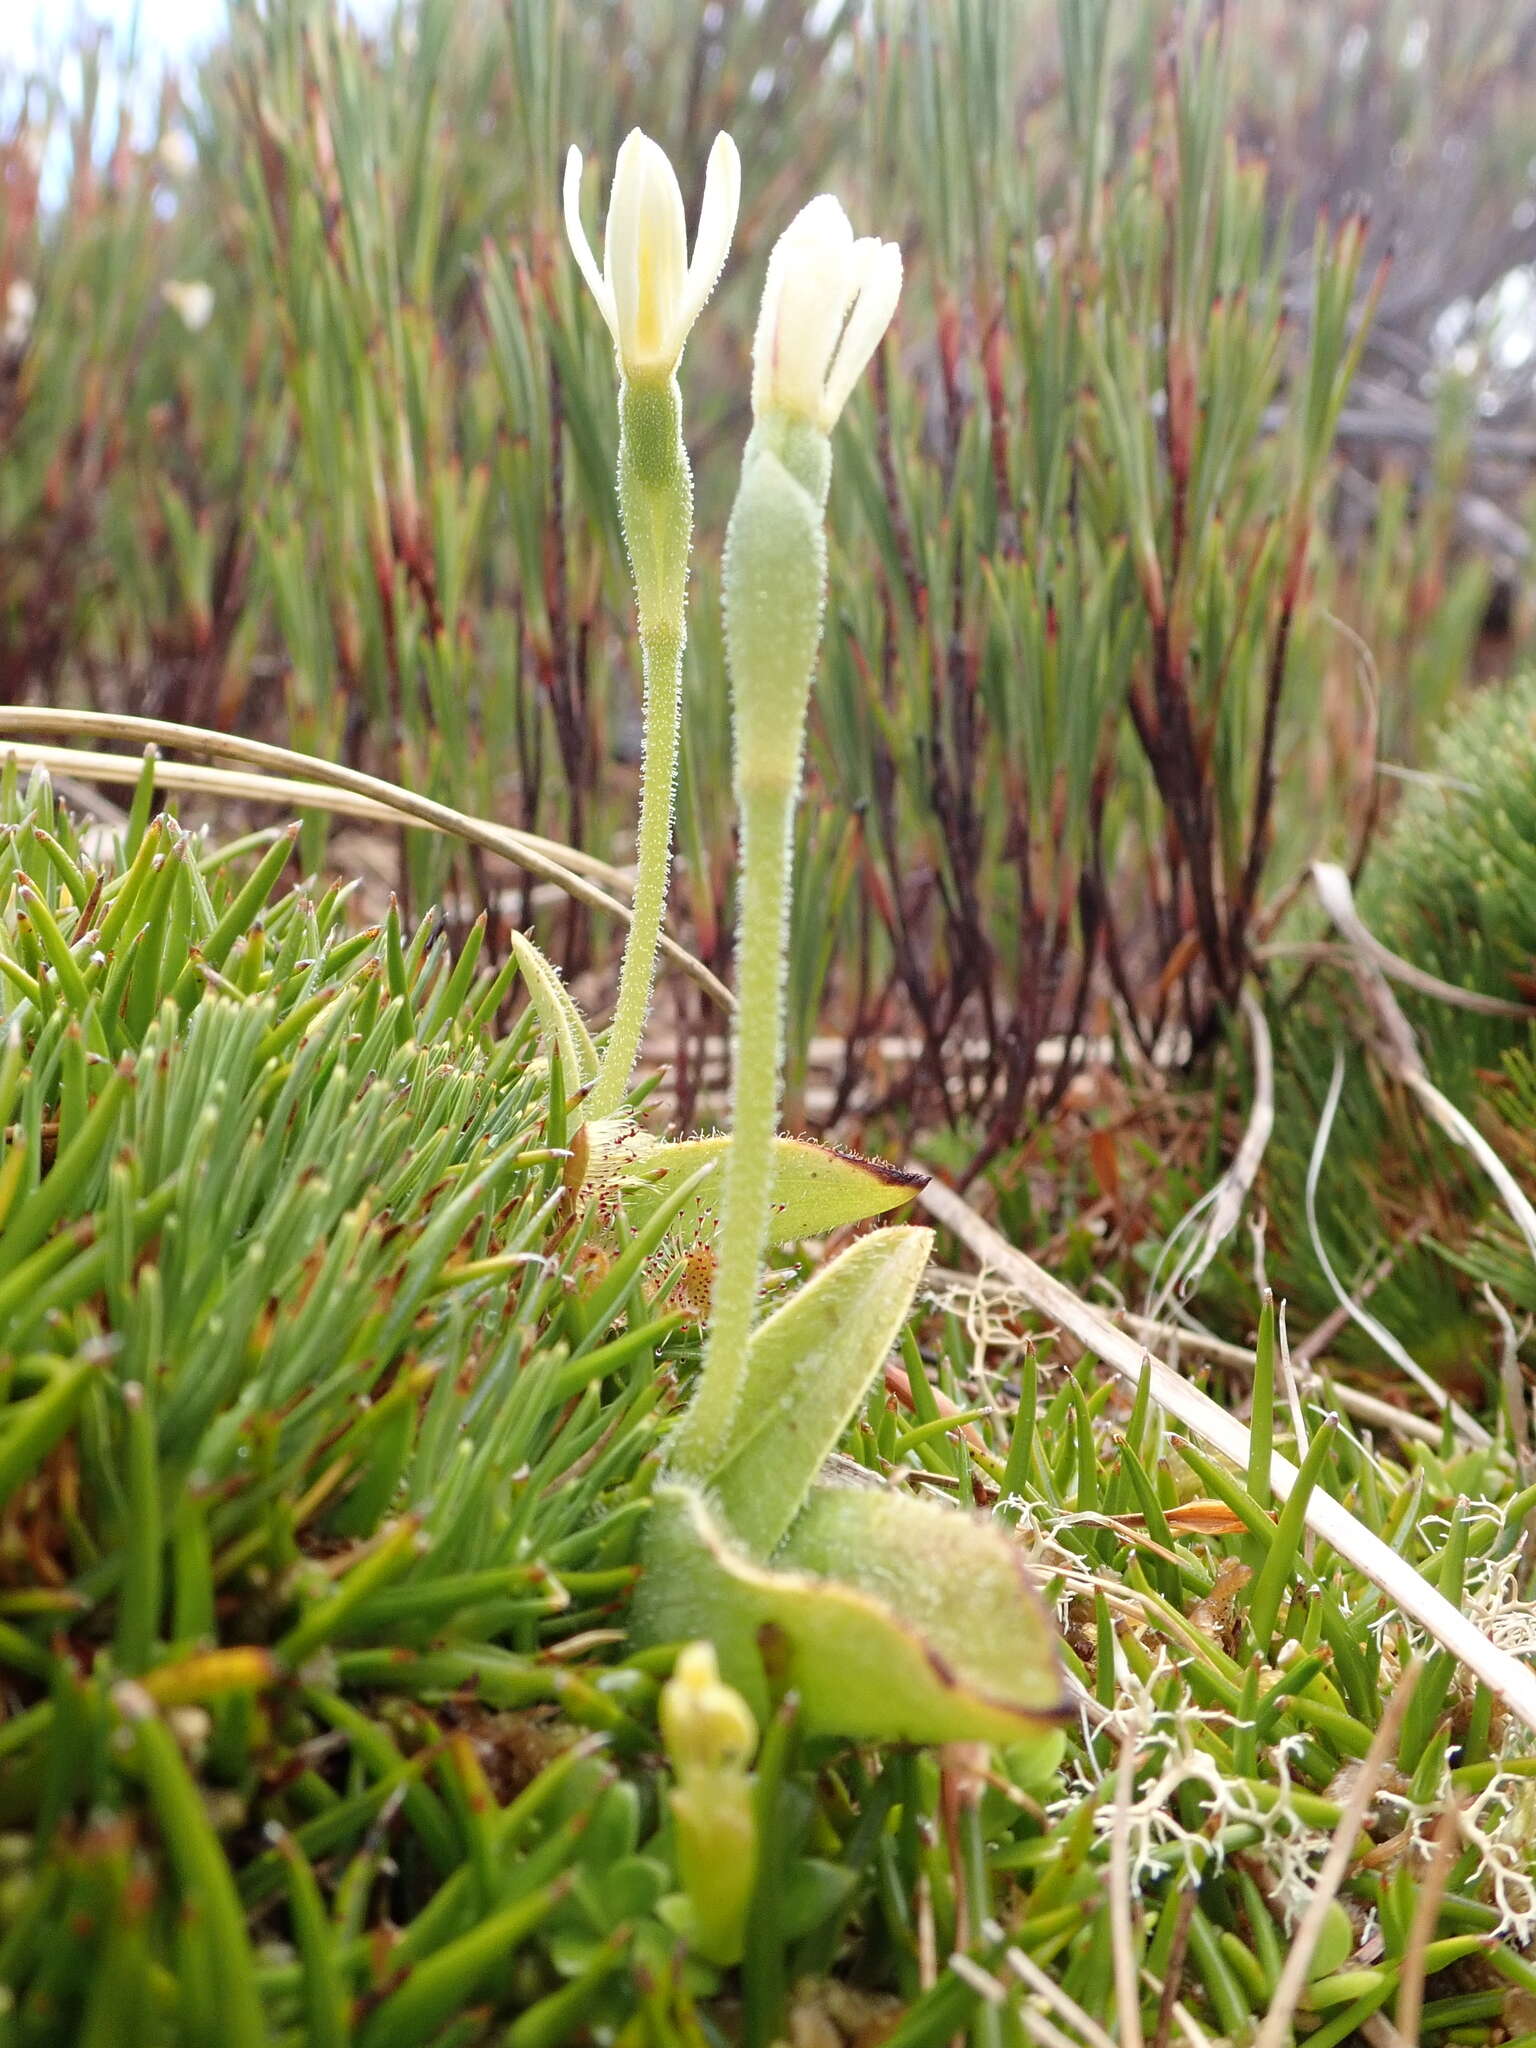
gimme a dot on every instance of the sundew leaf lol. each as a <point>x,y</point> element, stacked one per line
<point>559,1019</point>
<point>808,1368</point>
<point>890,1618</point>
<point>815,1190</point>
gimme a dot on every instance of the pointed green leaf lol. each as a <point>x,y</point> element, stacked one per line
<point>891,1618</point>
<point>815,1190</point>
<point>559,1018</point>
<point>808,1368</point>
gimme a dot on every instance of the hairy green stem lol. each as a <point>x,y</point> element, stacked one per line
<point>775,584</point>
<point>757,1045</point>
<point>656,507</point>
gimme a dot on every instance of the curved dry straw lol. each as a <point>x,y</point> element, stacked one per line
<point>1507,1677</point>
<point>311,784</point>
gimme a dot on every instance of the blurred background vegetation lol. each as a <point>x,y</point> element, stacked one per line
<point>1191,494</point>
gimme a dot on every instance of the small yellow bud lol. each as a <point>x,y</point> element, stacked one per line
<point>710,1735</point>
<point>705,1723</point>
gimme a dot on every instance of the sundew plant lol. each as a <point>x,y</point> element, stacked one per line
<point>766,1242</point>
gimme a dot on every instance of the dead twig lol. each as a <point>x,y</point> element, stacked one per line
<point>1469,1426</point>
<point>1401,1052</point>
<point>1173,1975</point>
<point>1516,1400</point>
<point>1426,1911</point>
<point>1336,894</point>
<point>1121,1926</point>
<point>1029,1973</point>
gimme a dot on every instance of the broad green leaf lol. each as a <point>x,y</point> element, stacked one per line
<point>809,1366</point>
<point>891,1618</point>
<point>815,1190</point>
<point>559,1018</point>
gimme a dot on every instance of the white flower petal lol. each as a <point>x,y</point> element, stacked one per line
<point>649,293</point>
<point>623,200</point>
<point>767,326</point>
<point>712,238</point>
<point>621,236</point>
<point>646,253</point>
<point>879,290</point>
<point>804,301</point>
<point>581,248</point>
<point>664,254</point>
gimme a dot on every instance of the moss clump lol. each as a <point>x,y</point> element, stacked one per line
<point>1452,886</point>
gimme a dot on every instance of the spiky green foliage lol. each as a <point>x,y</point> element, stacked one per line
<point>324,1449</point>
<point>1453,885</point>
<point>296,1378</point>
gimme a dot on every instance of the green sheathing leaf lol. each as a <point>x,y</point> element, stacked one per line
<point>928,1632</point>
<point>560,1021</point>
<point>808,1367</point>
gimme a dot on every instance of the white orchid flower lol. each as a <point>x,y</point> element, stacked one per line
<point>20,312</point>
<point>827,301</point>
<point>648,291</point>
<point>191,300</point>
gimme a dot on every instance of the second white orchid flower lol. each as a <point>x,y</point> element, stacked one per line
<point>648,290</point>
<point>827,300</point>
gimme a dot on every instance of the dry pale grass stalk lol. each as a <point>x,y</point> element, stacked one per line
<point>1121,1926</point>
<point>1426,1912</point>
<point>1510,1681</point>
<point>1511,1379</point>
<point>1353,1400</point>
<point>1193,2033</point>
<point>1400,1050</point>
<point>1341,1850</point>
<point>564,866</point>
<point>1468,1425</point>
<point>1045,1988</point>
<point>1169,2010</point>
<point>1216,1215</point>
<point>1337,896</point>
<point>1378,2032</point>
<point>1044,2032</point>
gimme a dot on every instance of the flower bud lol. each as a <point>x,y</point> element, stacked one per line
<point>827,301</point>
<point>20,312</point>
<point>710,1735</point>
<point>774,587</point>
<point>705,1723</point>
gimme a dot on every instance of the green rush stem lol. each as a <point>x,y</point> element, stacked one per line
<point>767,818</point>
